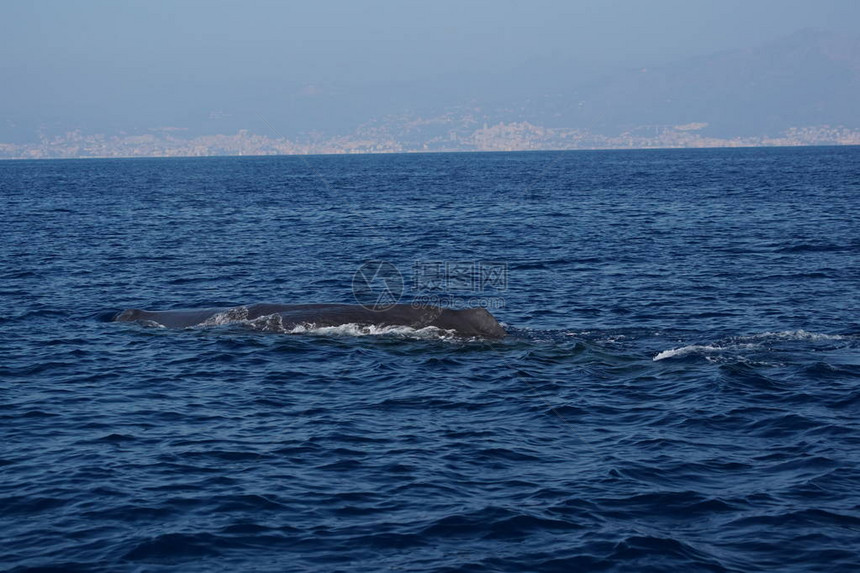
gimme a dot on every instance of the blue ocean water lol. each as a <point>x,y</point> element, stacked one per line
<point>680,388</point>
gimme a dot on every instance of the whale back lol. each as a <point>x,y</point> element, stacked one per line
<point>169,318</point>
<point>470,322</point>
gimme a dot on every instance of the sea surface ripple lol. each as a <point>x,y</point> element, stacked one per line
<point>680,389</point>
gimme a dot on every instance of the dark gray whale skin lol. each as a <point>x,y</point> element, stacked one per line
<point>470,322</point>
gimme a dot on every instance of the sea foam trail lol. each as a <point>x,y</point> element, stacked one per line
<point>749,342</point>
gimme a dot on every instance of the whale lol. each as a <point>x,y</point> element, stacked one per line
<point>464,323</point>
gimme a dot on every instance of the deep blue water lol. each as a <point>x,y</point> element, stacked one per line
<point>680,390</point>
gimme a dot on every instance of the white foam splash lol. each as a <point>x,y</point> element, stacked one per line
<point>427,333</point>
<point>686,350</point>
<point>704,349</point>
<point>275,323</point>
<point>750,342</point>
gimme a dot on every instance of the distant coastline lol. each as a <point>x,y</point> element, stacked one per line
<point>516,136</point>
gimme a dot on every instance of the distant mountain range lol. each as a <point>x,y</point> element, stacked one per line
<point>810,78</point>
<point>800,90</point>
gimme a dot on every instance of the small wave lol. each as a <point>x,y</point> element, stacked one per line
<point>172,547</point>
<point>796,335</point>
<point>812,248</point>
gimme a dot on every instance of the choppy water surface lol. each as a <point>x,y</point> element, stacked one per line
<point>680,390</point>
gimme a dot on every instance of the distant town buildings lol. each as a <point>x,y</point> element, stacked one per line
<point>403,135</point>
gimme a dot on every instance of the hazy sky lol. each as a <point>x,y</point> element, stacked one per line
<point>138,64</point>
